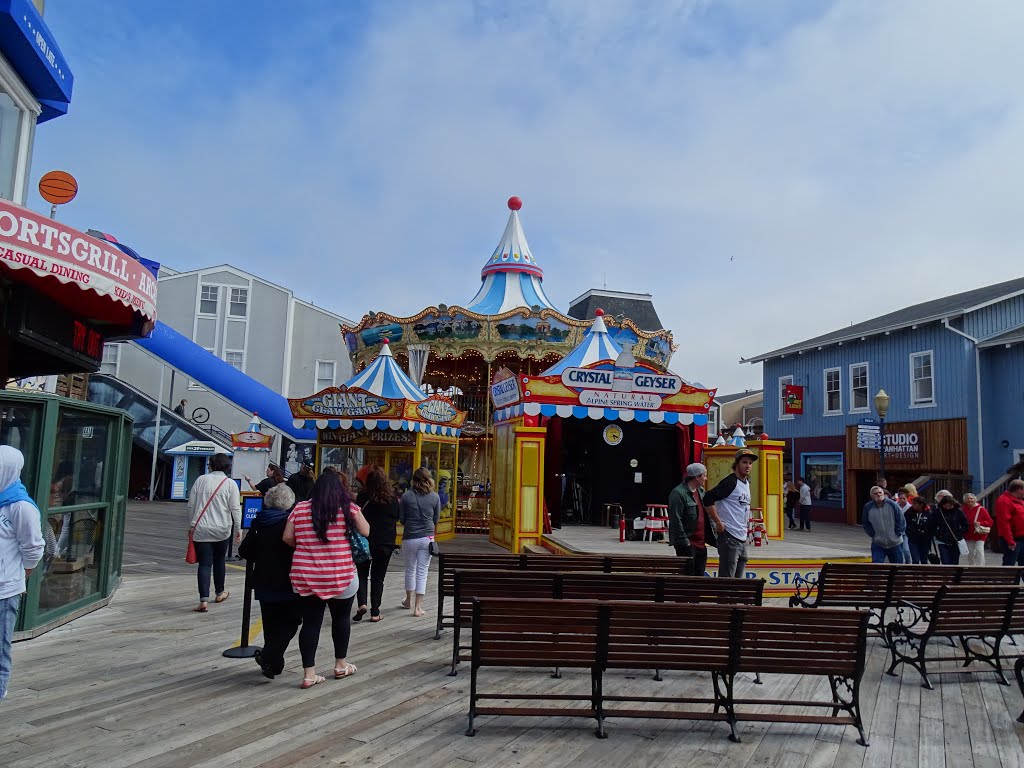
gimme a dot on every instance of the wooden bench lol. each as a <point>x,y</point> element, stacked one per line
<point>723,640</point>
<point>983,613</point>
<point>469,584</point>
<point>449,563</point>
<point>878,587</point>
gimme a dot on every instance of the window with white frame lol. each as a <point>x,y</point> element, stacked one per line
<point>712,423</point>
<point>784,381</point>
<point>239,304</point>
<point>18,112</point>
<point>235,359</point>
<point>208,299</point>
<point>325,372</point>
<point>111,356</point>
<point>833,391</point>
<point>922,384</point>
<point>858,387</point>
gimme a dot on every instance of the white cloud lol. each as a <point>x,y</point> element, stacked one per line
<point>766,177</point>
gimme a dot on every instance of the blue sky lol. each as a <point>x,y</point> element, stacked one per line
<point>767,170</point>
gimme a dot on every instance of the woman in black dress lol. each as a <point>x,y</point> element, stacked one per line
<point>380,508</point>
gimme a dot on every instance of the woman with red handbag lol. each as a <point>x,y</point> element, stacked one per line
<point>216,509</point>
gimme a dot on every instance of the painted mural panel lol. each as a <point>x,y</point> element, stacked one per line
<point>532,329</point>
<point>443,326</point>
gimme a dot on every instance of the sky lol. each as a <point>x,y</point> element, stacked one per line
<point>769,170</point>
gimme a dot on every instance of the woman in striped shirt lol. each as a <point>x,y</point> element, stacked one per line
<point>323,572</point>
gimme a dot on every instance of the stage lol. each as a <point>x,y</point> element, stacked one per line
<point>778,562</point>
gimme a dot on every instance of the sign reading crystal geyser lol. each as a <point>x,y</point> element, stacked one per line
<point>663,384</point>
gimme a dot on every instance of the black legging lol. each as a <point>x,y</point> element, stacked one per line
<point>211,556</point>
<point>376,568</point>
<point>280,622</point>
<point>312,609</point>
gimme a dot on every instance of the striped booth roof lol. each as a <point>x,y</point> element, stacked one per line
<point>385,378</point>
<point>597,346</point>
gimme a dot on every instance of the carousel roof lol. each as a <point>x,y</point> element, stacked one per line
<point>597,345</point>
<point>511,277</point>
<point>385,378</point>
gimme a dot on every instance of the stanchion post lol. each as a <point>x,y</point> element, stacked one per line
<point>243,650</point>
<point>622,527</point>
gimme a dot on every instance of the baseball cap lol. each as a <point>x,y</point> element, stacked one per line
<point>742,452</point>
<point>696,470</point>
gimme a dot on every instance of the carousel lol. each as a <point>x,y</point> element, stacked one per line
<point>595,432</point>
<point>380,417</point>
<point>510,327</point>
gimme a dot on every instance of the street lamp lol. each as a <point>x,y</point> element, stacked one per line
<point>882,407</point>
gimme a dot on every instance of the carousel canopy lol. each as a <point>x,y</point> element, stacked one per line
<point>597,345</point>
<point>511,277</point>
<point>384,378</point>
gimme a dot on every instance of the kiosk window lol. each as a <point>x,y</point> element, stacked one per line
<point>824,473</point>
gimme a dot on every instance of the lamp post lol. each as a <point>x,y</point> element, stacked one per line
<point>882,407</point>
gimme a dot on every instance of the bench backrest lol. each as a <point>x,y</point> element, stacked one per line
<point>970,609</point>
<point>699,589</point>
<point>919,584</point>
<point>530,633</point>
<point>854,584</point>
<point>821,642</point>
<point>642,636</point>
<point>991,574</point>
<point>529,584</point>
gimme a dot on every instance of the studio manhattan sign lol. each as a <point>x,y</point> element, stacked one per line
<point>903,445</point>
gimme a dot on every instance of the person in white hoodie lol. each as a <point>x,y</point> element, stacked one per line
<point>21,547</point>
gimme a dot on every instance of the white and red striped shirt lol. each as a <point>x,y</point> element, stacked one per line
<point>320,569</point>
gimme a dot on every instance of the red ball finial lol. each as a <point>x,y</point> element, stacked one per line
<point>764,435</point>
<point>515,203</point>
<point>599,312</point>
<point>385,341</point>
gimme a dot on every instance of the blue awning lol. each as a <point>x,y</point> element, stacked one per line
<point>607,414</point>
<point>382,424</point>
<point>27,43</point>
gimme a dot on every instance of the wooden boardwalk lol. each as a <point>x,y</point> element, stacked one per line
<point>143,683</point>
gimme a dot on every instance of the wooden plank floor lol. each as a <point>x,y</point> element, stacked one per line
<point>143,683</point>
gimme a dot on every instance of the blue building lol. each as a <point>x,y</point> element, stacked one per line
<point>954,372</point>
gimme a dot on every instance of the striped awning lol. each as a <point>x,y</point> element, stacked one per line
<point>597,346</point>
<point>392,424</point>
<point>385,378</point>
<point>607,414</point>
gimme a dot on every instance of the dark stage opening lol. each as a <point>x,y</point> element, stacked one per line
<point>584,472</point>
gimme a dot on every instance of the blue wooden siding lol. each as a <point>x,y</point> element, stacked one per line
<point>888,358</point>
<point>1002,398</point>
<point>995,319</point>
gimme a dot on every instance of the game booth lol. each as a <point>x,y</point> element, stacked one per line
<point>595,436</point>
<point>379,417</point>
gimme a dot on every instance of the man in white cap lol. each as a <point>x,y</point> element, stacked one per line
<point>729,504</point>
<point>687,523</point>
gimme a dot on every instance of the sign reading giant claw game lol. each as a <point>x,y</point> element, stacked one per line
<point>436,410</point>
<point>344,403</point>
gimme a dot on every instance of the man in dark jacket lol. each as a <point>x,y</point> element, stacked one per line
<point>301,483</point>
<point>686,519</point>
<point>271,580</point>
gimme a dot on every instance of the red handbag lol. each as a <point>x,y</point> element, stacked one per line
<point>190,552</point>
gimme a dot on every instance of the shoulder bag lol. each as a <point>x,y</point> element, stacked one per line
<point>357,543</point>
<point>978,527</point>
<point>190,552</point>
<point>960,543</point>
<point>433,548</point>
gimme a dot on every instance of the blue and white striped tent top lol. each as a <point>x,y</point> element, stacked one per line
<point>597,345</point>
<point>511,277</point>
<point>384,378</point>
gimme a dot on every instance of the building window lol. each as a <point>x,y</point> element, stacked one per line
<point>824,473</point>
<point>18,111</point>
<point>922,386</point>
<point>833,392</point>
<point>325,370</point>
<point>858,387</point>
<point>208,300</point>
<point>235,359</point>
<point>784,381</point>
<point>712,424</point>
<point>111,357</point>
<point>239,306</point>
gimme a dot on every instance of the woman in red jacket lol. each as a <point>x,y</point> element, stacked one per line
<point>979,523</point>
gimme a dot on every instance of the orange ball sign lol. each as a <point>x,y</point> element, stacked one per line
<point>58,187</point>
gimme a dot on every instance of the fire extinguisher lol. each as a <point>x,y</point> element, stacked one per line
<point>757,537</point>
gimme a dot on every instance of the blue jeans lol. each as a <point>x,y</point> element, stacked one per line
<point>919,551</point>
<point>949,555</point>
<point>1013,555</point>
<point>8,615</point>
<point>880,554</point>
<point>211,556</point>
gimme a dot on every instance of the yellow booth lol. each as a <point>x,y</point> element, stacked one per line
<point>767,496</point>
<point>379,417</point>
<point>594,435</point>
